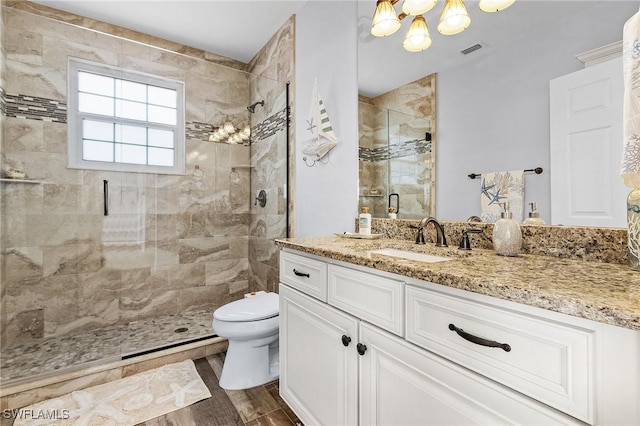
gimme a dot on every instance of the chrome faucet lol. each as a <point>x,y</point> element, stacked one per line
<point>441,240</point>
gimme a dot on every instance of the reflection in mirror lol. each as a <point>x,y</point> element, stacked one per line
<point>493,104</point>
<point>397,151</point>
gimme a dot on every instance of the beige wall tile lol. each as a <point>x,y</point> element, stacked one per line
<point>206,297</point>
<point>146,304</point>
<point>56,53</point>
<point>227,271</point>
<point>24,78</point>
<point>23,135</point>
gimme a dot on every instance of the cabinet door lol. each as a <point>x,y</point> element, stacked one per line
<point>318,373</point>
<point>401,384</point>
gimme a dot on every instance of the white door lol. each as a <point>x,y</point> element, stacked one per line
<point>401,384</point>
<point>318,373</point>
<point>586,147</point>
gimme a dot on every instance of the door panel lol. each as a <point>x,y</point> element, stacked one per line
<point>586,147</point>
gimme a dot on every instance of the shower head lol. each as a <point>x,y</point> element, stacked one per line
<point>252,108</point>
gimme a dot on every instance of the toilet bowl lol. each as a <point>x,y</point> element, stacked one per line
<point>251,326</point>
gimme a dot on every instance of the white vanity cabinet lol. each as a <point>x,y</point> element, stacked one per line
<point>318,362</point>
<point>350,364</point>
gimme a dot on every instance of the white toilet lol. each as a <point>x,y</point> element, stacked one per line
<point>251,326</point>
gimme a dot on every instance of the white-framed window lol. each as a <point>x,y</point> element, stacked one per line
<point>124,120</point>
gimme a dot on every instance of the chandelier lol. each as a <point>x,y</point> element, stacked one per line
<point>229,134</point>
<point>453,20</point>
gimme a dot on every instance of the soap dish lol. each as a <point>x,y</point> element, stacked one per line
<point>359,236</point>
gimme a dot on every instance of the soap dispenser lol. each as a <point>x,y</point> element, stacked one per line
<point>507,237</point>
<point>534,216</point>
<point>364,221</point>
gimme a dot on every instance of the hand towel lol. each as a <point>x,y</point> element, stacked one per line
<point>498,187</point>
<point>630,170</point>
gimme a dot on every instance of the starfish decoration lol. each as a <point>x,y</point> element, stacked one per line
<point>485,189</point>
<point>89,408</point>
<point>311,125</point>
<point>495,198</point>
<point>179,393</point>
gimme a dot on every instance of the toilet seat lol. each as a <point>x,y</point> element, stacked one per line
<point>254,308</point>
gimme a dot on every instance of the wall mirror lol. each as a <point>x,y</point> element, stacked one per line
<point>490,106</point>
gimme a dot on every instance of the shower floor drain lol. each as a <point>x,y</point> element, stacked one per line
<point>180,330</point>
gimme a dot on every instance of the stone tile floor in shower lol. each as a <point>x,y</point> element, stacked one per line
<point>51,355</point>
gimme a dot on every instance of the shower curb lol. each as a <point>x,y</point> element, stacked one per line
<point>32,391</point>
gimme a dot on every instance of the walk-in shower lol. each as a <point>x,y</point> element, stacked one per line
<point>80,288</point>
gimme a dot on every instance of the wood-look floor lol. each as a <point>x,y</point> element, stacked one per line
<point>257,406</point>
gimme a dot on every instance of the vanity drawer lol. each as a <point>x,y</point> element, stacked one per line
<point>304,274</point>
<point>550,361</point>
<point>372,298</point>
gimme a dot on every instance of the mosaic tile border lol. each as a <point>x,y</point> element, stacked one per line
<point>270,126</point>
<point>398,150</point>
<point>3,101</point>
<point>35,108</point>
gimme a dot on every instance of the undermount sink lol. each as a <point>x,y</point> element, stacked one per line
<point>410,255</point>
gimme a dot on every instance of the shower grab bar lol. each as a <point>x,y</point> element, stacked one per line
<point>105,188</point>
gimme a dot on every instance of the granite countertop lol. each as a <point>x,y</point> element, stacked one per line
<point>604,292</point>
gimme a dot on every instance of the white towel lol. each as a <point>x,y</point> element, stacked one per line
<point>630,170</point>
<point>498,187</point>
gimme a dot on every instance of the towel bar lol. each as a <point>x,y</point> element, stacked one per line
<point>537,170</point>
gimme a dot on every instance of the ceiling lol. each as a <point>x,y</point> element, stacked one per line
<point>239,29</point>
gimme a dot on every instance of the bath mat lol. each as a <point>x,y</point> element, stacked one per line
<point>126,401</point>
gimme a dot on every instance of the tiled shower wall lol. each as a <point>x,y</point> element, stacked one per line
<point>271,68</point>
<point>67,268</point>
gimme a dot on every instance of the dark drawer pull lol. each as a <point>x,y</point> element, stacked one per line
<point>300,274</point>
<point>479,340</point>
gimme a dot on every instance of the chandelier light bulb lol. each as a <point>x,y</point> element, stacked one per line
<point>228,127</point>
<point>454,18</point>
<point>417,38</point>
<point>418,7</point>
<point>494,5</point>
<point>385,19</point>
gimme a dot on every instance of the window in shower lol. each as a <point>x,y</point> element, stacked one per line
<point>124,120</point>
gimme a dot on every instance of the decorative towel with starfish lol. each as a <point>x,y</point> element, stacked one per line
<point>498,187</point>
